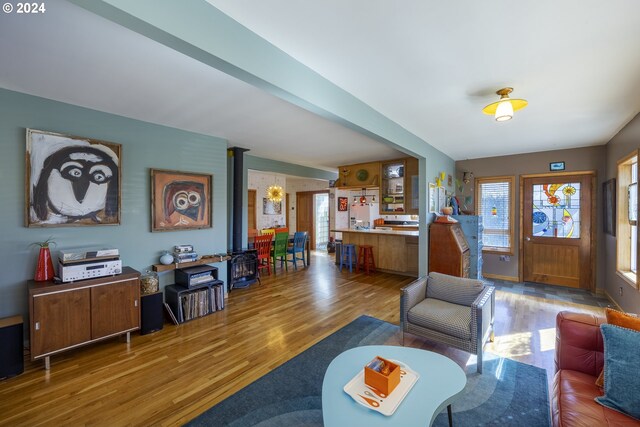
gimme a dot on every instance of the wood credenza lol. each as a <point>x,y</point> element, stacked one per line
<point>68,315</point>
<point>448,249</point>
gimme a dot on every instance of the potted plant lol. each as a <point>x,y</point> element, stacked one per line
<point>44,268</point>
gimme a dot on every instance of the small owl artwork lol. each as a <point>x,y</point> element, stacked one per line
<point>180,200</point>
<point>71,181</point>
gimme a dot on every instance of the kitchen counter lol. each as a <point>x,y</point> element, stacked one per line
<point>394,251</point>
<point>378,231</point>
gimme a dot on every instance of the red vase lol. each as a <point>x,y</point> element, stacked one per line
<point>44,269</point>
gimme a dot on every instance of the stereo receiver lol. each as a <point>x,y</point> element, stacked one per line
<point>89,270</point>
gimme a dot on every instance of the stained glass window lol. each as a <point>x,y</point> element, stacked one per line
<point>556,210</point>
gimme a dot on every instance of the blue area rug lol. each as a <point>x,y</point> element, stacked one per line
<point>508,393</point>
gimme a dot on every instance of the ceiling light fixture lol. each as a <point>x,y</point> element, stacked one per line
<point>503,108</point>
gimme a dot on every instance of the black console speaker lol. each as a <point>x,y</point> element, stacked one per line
<point>152,313</point>
<point>11,358</point>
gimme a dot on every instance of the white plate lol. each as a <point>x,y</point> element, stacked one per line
<point>367,397</point>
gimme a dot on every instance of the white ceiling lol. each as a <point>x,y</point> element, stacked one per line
<point>429,66</point>
<point>432,65</point>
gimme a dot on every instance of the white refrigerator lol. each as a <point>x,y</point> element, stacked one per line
<point>362,215</point>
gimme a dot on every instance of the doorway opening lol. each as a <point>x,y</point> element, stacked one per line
<point>321,220</point>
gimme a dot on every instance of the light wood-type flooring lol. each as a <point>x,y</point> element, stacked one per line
<point>171,376</point>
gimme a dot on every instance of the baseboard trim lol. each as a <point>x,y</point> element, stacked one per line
<point>617,307</point>
<point>500,277</point>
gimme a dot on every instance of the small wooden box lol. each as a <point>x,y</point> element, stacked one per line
<point>383,383</point>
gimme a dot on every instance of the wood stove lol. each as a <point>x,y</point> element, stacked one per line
<point>242,269</point>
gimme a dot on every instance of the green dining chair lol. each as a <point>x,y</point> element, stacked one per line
<point>280,250</point>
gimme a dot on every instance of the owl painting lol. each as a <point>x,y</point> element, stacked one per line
<point>180,200</point>
<point>71,181</point>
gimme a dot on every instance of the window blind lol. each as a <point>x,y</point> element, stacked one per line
<point>494,206</point>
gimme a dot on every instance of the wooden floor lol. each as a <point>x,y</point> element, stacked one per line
<point>169,377</point>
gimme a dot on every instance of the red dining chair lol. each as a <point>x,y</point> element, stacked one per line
<point>262,244</point>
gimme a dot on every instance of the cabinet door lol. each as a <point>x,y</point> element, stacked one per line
<point>61,320</point>
<point>115,308</point>
<point>412,186</point>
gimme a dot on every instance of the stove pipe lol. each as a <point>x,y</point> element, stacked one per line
<point>238,185</point>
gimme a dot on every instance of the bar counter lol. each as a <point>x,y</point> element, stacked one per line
<point>394,251</point>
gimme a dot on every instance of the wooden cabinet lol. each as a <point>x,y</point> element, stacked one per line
<point>361,175</point>
<point>64,316</point>
<point>472,228</point>
<point>448,250</point>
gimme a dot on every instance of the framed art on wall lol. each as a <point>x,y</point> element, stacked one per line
<point>442,198</point>
<point>71,181</point>
<point>180,200</point>
<point>433,198</point>
<point>343,204</point>
<point>609,206</point>
<point>269,207</point>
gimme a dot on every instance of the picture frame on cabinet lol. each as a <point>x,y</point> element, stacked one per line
<point>442,198</point>
<point>180,200</point>
<point>71,180</point>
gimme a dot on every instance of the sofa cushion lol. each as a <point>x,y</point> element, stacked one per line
<point>618,318</point>
<point>621,370</point>
<point>450,319</point>
<point>456,290</point>
<point>573,404</point>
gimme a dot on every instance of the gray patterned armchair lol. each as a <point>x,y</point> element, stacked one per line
<point>452,310</point>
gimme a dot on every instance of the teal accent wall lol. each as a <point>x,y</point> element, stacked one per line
<point>144,146</point>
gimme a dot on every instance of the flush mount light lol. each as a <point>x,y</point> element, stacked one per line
<point>503,108</point>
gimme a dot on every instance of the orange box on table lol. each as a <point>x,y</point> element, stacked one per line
<point>383,383</point>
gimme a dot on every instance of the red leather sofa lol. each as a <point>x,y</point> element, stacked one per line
<point>579,359</point>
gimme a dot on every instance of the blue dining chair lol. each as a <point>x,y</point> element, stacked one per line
<point>299,240</point>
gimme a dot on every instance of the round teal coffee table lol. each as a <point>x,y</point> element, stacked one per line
<point>441,381</point>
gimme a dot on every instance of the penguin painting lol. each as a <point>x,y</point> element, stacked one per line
<point>77,182</point>
<point>188,198</point>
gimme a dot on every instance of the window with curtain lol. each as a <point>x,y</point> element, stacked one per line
<point>495,204</point>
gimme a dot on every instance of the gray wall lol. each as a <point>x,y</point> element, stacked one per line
<point>578,159</point>
<point>144,146</point>
<point>627,140</point>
